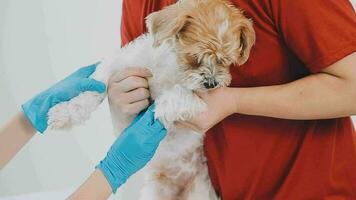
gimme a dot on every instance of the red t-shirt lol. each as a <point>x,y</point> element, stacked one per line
<point>252,157</point>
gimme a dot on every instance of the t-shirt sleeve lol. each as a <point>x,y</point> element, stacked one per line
<point>319,32</point>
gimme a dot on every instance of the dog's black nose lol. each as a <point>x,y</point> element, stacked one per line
<point>210,84</point>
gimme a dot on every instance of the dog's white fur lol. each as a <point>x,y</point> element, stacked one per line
<point>178,169</point>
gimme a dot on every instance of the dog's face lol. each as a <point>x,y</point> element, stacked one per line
<point>208,36</point>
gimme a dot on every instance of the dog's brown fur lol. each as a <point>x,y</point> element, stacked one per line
<point>198,32</point>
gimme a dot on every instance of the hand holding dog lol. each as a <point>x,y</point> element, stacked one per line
<point>128,90</point>
<point>133,149</point>
<point>221,103</point>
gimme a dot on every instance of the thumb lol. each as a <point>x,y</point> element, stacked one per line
<point>202,95</point>
<point>90,84</point>
<point>187,125</point>
<point>85,72</point>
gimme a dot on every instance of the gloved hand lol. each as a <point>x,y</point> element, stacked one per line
<point>37,108</point>
<point>133,149</point>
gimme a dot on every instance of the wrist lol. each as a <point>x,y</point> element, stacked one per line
<point>110,176</point>
<point>35,110</point>
<point>232,97</point>
<point>114,170</point>
<point>95,187</point>
<point>26,123</point>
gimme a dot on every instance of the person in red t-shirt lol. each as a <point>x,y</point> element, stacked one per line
<point>282,130</point>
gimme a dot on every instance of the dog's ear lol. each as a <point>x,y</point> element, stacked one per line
<point>247,40</point>
<point>166,24</point>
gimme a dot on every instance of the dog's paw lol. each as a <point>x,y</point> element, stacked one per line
<point>178,104</point>
<point>65,115</point>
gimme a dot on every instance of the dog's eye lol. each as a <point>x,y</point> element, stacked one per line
<point>219,62</point>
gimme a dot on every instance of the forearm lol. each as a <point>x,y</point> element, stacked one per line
<point>13,136</point>
<point>319,96</point>
<point>96,187</point>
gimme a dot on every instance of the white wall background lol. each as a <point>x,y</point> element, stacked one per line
<point>41,41</point>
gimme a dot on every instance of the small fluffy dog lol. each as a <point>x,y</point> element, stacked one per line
<point>189,47</point>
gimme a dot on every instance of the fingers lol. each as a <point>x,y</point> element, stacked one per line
<point>135,108</point>
<point>128,90</point>
<point>130,83</point>
<point>85,72</point>
<point>133,96</point>
<point>89,84</point>
<point>134,71</point>
<point>128,102</point>
<point>131,78</point>
<point>121,100</point>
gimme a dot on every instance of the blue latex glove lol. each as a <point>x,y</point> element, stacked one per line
<point>133,149</point>
<point>37,108</point>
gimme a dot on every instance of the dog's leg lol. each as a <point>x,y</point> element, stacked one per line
<point>178,104</point>
<point>67,114</point>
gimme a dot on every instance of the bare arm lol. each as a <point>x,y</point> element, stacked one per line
<point>95,187</point>
<point>13,136</point>
<point>329,94</point>
<point>19,131</point>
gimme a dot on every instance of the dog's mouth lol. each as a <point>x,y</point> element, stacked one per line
<point>205,80</point>
<point>201,84</point>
